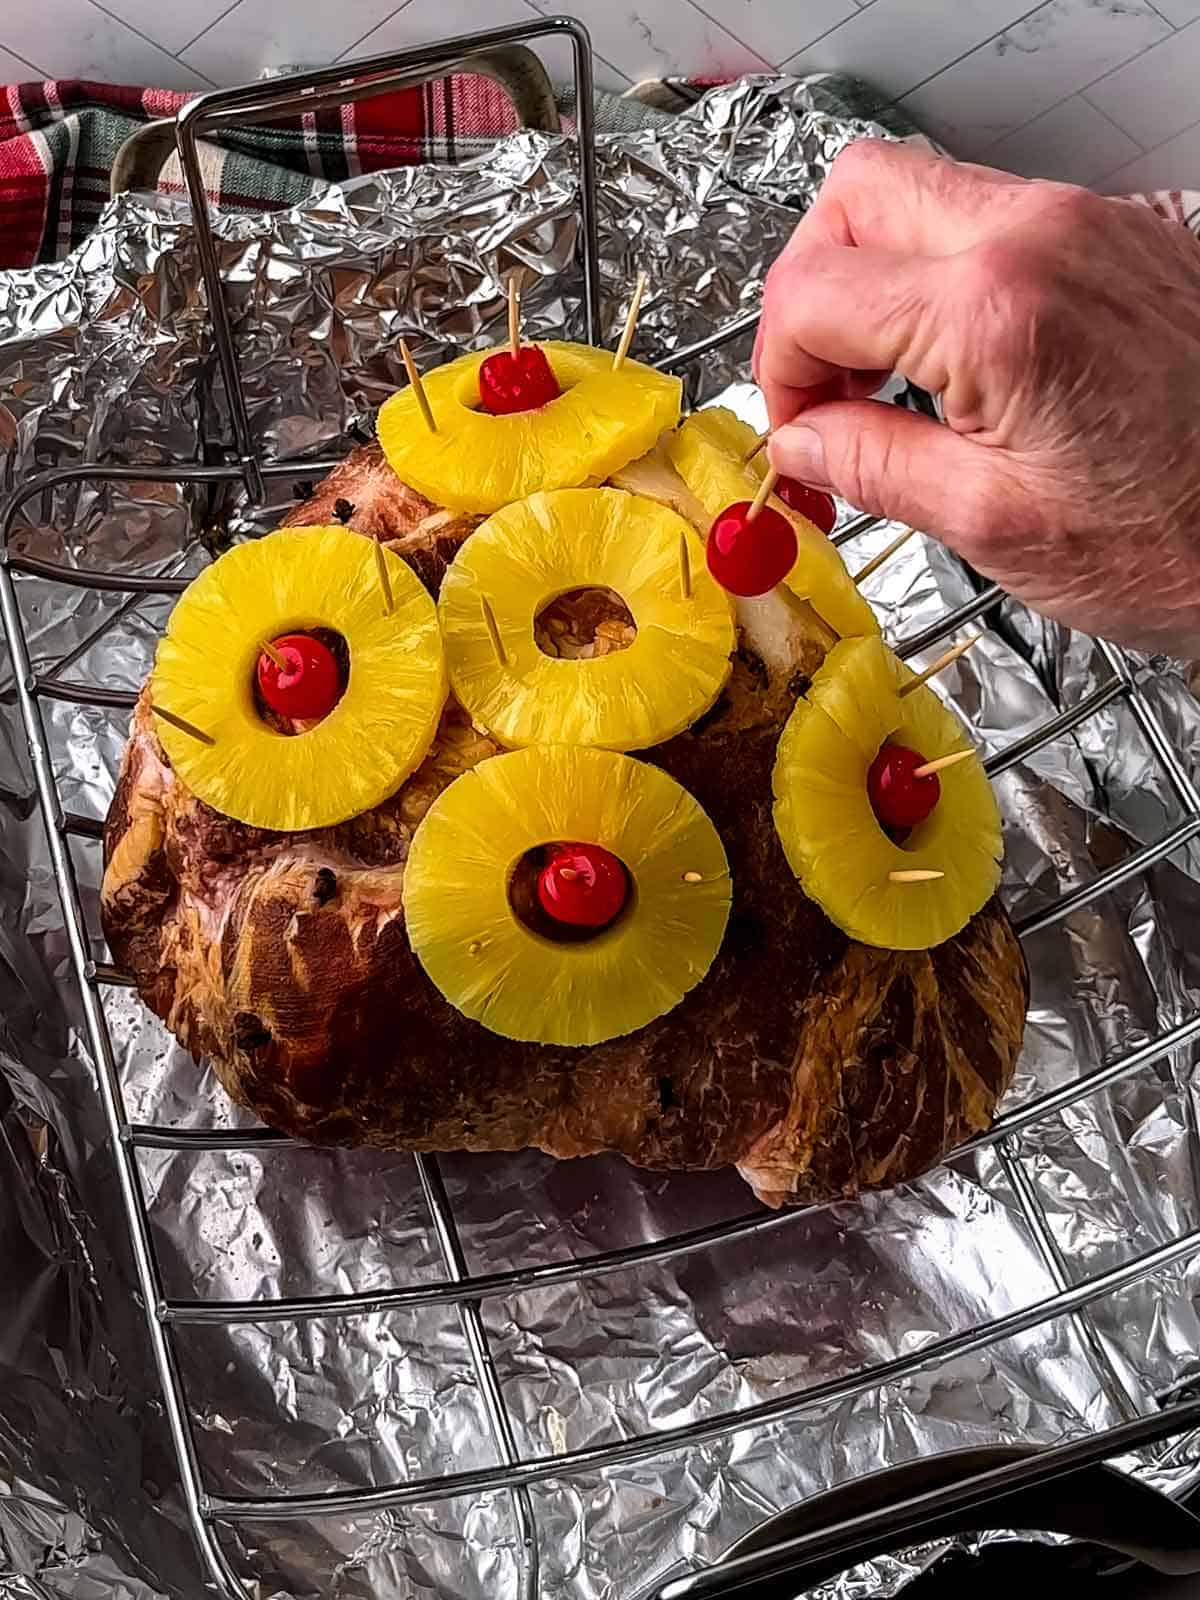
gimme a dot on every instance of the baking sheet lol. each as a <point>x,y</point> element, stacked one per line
<point>106,356</point>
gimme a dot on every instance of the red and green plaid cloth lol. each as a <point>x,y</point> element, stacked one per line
<point>58,142</point>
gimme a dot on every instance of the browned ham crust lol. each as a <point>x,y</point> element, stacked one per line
<point>818,1066</point>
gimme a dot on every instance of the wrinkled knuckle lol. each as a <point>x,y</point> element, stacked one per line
<point>1066,205</point>
<point>995,269</point>
<point>783,297</point>
<point>1006,293</point>
<point>861,159</point>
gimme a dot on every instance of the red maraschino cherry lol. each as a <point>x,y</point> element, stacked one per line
<point>812,503</point>
<point>309,686</point>
<point>583,886</point>
<point>899,799</point>
<point>517,381</point>
<point>746,556</point>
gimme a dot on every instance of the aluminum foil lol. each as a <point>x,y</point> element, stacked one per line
<point>107,356</point>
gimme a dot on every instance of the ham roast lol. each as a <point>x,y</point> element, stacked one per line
<point>817,1066</point>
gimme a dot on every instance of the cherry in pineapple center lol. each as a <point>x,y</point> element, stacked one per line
<point>517,380</point>
<point>300,677</point>
<point>900,797</point>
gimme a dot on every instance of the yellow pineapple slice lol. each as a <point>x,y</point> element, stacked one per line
<point>494,967</point>
<point>709,454</point>
<point>294,581</point>
<point>552,544</point>
<point>477,462</point>
<point>829,831</point>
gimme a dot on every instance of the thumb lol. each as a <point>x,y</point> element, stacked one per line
<point>899,465</point>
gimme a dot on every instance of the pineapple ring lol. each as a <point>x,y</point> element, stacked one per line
<point>292,581</point>
<point>829,832</point>
<point>497,970</point>
<point>532,552</point>
<point>709,454</point>
<point>477,462</point>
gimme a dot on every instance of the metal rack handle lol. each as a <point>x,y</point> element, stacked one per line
<point>337,85</point>
<point>517,70</point>
<point>1067,1489</point>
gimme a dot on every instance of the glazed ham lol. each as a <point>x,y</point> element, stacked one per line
<point>817,1066</point>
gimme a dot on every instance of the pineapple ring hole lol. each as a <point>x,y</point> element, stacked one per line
<point>527,908</point>
<point>289,727</point>
<point>583,623</point>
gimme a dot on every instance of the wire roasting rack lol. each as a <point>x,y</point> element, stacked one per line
<point>841,1537</point>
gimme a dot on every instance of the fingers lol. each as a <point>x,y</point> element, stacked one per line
<point>856,286</point>
<point>840,316</point>
<point>901,197</point>
<point>895,464</point>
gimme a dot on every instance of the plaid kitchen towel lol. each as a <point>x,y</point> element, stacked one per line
<point>58,142</point>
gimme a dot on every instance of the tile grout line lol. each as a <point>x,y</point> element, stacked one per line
<point>999,34</point>
<point>207,29</point>
<point>404,4</point>
<point>1173,25</point>
<point>1113,123</point>
<point>758,56</point>
<point>1145,149</point>
<point>596,56</point>
<point>894,100</point>
<point>1076,94</point>
<point>146,39</point>
<point>1112,71</point>
<point>821,37</point>
<point>863,5</point>
<point>1153,150</point>
<point>382,23</point>
<point>25,61</point>
<point>774,65</point>
<point>1081,92</point>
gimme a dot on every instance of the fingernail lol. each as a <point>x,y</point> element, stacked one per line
<point>800,452</point>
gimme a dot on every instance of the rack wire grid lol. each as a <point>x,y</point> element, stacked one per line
<point>461,1288</point>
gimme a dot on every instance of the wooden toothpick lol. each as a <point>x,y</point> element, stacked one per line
<point>418,388</point>
<point>384,576</point>
<point>489,622</point>
<point>755,448</point>
<point>942,763</point>
<point>942,661</point>
<point>635,305</point>
<point>685,566</point>
<point>764,490</point>
<point>276,659</point>
<point>884,555</point>
<point>514,315</point>
<point>190,728</point>
<point>914,875</point>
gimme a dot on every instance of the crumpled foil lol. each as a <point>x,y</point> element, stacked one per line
<point>106,356</point>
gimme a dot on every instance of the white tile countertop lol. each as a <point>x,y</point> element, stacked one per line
<point>1105,92</point>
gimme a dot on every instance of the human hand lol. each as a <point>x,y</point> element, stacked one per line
<point>1062,332</point>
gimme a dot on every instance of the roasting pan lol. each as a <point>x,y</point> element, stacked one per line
<point>1064,1490</point>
